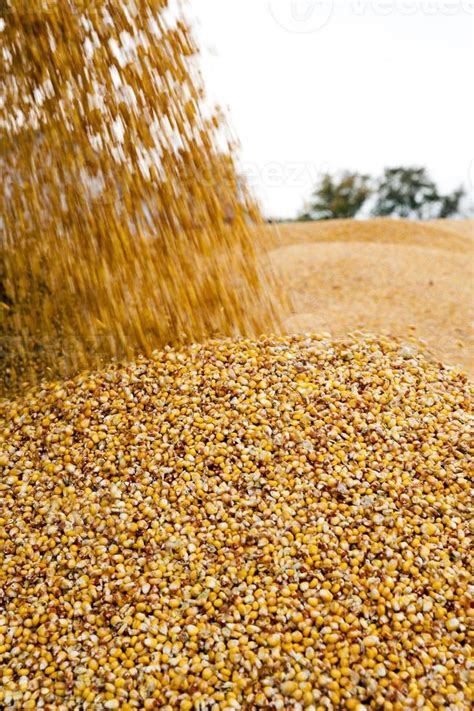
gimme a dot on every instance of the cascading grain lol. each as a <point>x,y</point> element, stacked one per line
<point>124,223</point>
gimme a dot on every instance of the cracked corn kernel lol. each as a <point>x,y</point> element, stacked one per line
<point>146,562</point>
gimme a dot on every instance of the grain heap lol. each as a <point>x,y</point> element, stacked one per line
<point>275,524</point>
<point>123,223</point>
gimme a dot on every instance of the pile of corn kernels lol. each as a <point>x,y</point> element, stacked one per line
<point>275,524</point>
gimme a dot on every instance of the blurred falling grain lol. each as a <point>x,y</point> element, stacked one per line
<point>125,226</point>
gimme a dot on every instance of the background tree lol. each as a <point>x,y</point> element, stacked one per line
<point>340,196</point>
<point>410,193</point>
<point>450,204</point>
<point>406,192</point>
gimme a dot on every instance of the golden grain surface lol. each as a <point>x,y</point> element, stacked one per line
<point>382,276</point>
<point>275,524</point>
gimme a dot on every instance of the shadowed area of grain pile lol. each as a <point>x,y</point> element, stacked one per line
<point>389,276</point>
<point>276,524</point>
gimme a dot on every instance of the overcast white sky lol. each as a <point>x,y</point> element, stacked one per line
<point>360,85</point>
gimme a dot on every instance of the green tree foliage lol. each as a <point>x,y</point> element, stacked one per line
<point>339,196</point>
<point>410,193</point>
<point>450,203</point>
<point>406,192</point>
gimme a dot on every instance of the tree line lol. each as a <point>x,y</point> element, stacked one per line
<point>405,192</point>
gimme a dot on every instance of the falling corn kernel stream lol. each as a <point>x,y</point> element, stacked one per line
<point>125,225</point>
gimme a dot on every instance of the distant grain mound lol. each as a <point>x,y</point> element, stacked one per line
<point>384,276</point>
